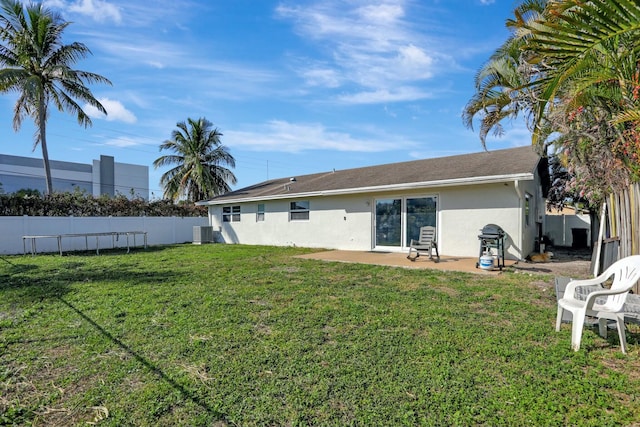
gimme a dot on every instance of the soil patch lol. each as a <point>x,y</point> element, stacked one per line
<point>569,262</point>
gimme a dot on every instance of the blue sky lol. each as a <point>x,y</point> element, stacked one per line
<point>295,86</point>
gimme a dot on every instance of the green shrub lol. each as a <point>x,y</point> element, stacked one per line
<point>32,203</point>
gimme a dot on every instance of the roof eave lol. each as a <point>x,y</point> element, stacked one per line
<point>392,187</point>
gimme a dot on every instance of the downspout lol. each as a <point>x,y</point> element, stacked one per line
<point>516,184</point>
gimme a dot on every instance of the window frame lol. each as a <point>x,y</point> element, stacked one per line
<point>298,211</point>
<point>231,213</point>
<point>260,212</point>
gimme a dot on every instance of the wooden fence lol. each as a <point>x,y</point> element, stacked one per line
<point>623,213</point>
<point>619,235</point>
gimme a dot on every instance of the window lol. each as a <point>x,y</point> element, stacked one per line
<point>299,211</point>
<point>260,212</point>
<point>527,209</point>
<point>231,213</point>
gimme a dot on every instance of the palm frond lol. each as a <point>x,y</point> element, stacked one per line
<point>201,162</point>
<point>627,116</point>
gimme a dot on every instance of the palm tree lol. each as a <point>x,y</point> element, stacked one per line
<point>498,96</point>
<point>200,158</point>
<point>579,41</point>
<point>590,90</point>
<point>502,84</point>
<point>36,64</point>
<point>573,69</point>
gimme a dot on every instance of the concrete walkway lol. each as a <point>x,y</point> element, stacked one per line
<point>399,259</point>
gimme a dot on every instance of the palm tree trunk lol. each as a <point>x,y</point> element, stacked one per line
<point>42,130</point>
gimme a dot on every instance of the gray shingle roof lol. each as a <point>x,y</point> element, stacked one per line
<point>485,165</point>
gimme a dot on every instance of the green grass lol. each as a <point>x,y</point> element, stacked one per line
<point>219,335</point>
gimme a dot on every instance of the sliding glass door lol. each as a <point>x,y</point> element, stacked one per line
<point>398,220</point>
<point>388,223</point>
<point>420,212</point>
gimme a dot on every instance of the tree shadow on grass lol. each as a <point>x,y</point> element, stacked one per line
<point>20,277</point>
<point>36,282</point>
<point>188,394</point>
<point>118,250</point>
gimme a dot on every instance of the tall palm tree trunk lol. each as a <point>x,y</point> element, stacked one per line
<point>42,129</point>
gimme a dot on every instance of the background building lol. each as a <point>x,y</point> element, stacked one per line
<point>104,176</point>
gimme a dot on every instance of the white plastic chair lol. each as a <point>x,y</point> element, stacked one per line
<point>605,304</point>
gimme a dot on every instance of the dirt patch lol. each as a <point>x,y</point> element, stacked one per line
<point>575,263</point>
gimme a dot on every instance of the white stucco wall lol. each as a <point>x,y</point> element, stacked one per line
<point>347,222</point>
<point>465,210</point>
<point>334,222</point>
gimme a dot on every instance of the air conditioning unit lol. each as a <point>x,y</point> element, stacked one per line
<point>202,234</point>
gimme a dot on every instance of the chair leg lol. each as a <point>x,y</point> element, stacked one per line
<point>576,329</point>
<point>559,318</point>
<point>409,256</point>
<point>621,334</point>
<point>602,327</point>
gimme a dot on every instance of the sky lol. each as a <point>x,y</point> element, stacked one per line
<point>294,86</point>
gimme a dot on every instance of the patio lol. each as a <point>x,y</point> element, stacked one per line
<point>566,262</point>
<point>399,259</point>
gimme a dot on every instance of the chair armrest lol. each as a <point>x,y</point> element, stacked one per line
<point>591,298</point>
<point>570,290</point>
<point>572,285</point>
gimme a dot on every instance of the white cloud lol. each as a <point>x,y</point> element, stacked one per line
<point>226,79</point>
<point>321,77</point>
<point>371,46</point>
<point>116,111</point>
<point>385,95</point>
<point>122,142</point>
<point>414,62</point>
<point>381,13</point>
<point>283,136</point>
<point>98,10</point>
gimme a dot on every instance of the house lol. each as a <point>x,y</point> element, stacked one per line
<point>381,208</point>
<point>104,176</point>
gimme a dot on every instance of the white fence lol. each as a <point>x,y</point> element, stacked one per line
<point>160,231</point>
<point>562,229</point>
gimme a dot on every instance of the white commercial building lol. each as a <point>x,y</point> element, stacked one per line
<point>104,176</point>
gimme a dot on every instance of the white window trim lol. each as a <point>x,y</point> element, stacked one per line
<point>260,214</point>
<point>528,199</point>
<point>294,211</point>
<point>234,213</point>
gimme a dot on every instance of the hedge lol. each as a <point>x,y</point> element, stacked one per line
<point>82,205</point>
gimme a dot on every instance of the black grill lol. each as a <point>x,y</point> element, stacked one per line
<point>492,237</point>
<point>491,231</point>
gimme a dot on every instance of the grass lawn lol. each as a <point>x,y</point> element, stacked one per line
<point>219,335</point>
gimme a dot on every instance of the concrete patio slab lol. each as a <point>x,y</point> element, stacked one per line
<point>398,259</point>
